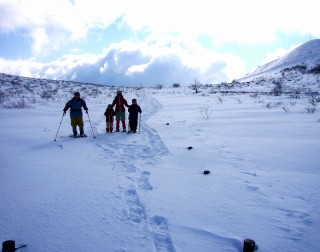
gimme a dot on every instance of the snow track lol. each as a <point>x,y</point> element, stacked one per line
<point>130,156</point>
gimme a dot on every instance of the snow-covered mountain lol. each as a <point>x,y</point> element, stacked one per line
<point>304,59</point>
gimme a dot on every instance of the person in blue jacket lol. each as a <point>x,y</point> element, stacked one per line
<point>76,104</point>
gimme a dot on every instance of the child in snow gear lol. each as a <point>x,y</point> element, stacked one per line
<point>109,114</point>
<point>134,109</point>
<point>76,104</point>
<point>120,102</point>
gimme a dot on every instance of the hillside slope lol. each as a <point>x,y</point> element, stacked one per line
<point>306,56</point>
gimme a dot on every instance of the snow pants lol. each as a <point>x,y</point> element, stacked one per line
<point>121,116</point>
<point>77,121</point>
<point>133,123</point>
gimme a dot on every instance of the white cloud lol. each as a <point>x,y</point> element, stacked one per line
<point>104,68</point>
<point>40,39</point>
<point>137,69</point>
<point>59,20</point>
<point>27,68</point>
<point>246,21</point>
<point>156,61</point>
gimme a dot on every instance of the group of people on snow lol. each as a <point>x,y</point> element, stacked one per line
<point>76,104</point>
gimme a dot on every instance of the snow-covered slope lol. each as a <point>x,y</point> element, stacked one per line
<point>147,192</point>
<point>307,56</point>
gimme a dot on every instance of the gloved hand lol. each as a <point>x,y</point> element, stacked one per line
<point>64,113</point>
<point>87,111</point>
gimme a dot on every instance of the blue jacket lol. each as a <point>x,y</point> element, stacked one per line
<point>75,106</point>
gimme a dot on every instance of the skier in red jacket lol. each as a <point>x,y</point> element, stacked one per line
<point>120,102</point>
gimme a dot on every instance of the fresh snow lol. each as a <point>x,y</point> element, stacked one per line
<point>147,192</point>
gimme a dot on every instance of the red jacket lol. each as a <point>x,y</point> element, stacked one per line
<point>120,102</point>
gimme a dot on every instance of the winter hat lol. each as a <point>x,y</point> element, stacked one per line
<point>134,100</point>
<point>119,92</point>
<point>109,106</point>
<point>76,94</point>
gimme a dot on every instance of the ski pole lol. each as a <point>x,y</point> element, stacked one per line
<point>129,128</point>
<point>90,124</point>
<point>59,127</point>
<point>139,122</point>
<point>110,122</point>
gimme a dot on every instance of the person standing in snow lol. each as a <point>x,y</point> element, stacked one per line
<point>120,102</point>
<point>134,109</point>
<point>109,114</point>
<point>76,104</point>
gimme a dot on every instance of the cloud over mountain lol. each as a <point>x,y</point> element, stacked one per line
<point>133,64</point>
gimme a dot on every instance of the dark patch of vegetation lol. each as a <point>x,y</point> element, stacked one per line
<point>299,68</point>
<point>315,70</point>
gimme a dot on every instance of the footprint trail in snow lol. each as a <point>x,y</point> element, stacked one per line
<point>130,155</point>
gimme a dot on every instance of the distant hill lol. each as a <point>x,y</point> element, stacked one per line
<point>23,92</point>
<point>304,59</point>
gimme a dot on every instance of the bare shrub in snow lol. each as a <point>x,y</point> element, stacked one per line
<point>159,86</point>
<point>315,98</point>
<point>2,97</point>
<point>196,86</point>
<point>254,95</point>
<point>238,100</point>
<point>274,104</point>
<point>286,109</point>
<point>18,104</point>
<point>311,109</point>
<point>313,102</point>
<point>277,89</point>
<point>205,112</point>
<point>269,105</point>
<point>278,104</point>
<point>47,95</point>
<point>212,91</point>
<point>295,94</point>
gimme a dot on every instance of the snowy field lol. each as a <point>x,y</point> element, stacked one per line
<point>147,192</point>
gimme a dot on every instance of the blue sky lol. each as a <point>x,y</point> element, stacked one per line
<point>144,43</point>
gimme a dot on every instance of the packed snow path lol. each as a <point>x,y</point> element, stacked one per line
<point>129,155</point>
